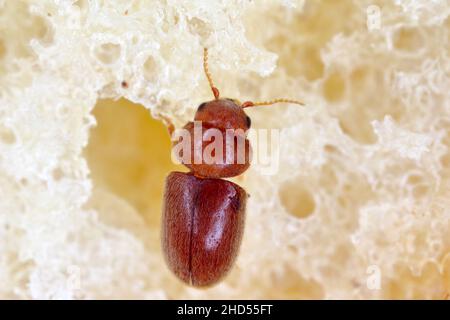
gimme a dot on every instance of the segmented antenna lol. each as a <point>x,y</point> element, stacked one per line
<point>208,75</point>
<point>249,104</point>
<point>246,104</point>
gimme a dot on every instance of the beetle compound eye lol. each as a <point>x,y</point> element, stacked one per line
<point>249,122</point>
<point>201,106</point>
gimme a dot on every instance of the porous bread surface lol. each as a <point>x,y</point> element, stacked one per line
<point>363,187</point>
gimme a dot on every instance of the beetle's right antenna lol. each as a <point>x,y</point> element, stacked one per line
<point>208,75</point>
<point>248,104</point>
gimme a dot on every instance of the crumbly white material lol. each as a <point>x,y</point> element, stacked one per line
<point>363,190</point>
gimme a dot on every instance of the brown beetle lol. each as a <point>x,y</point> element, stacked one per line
<point>203,215</point>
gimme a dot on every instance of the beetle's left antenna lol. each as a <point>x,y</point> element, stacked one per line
<point>208,75</point>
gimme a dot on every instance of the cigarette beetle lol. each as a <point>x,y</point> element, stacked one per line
<point>203,215</point>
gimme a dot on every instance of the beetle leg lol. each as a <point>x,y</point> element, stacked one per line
<point>169,124</point>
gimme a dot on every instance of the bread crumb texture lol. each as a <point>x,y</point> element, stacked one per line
<point>360,205</point>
